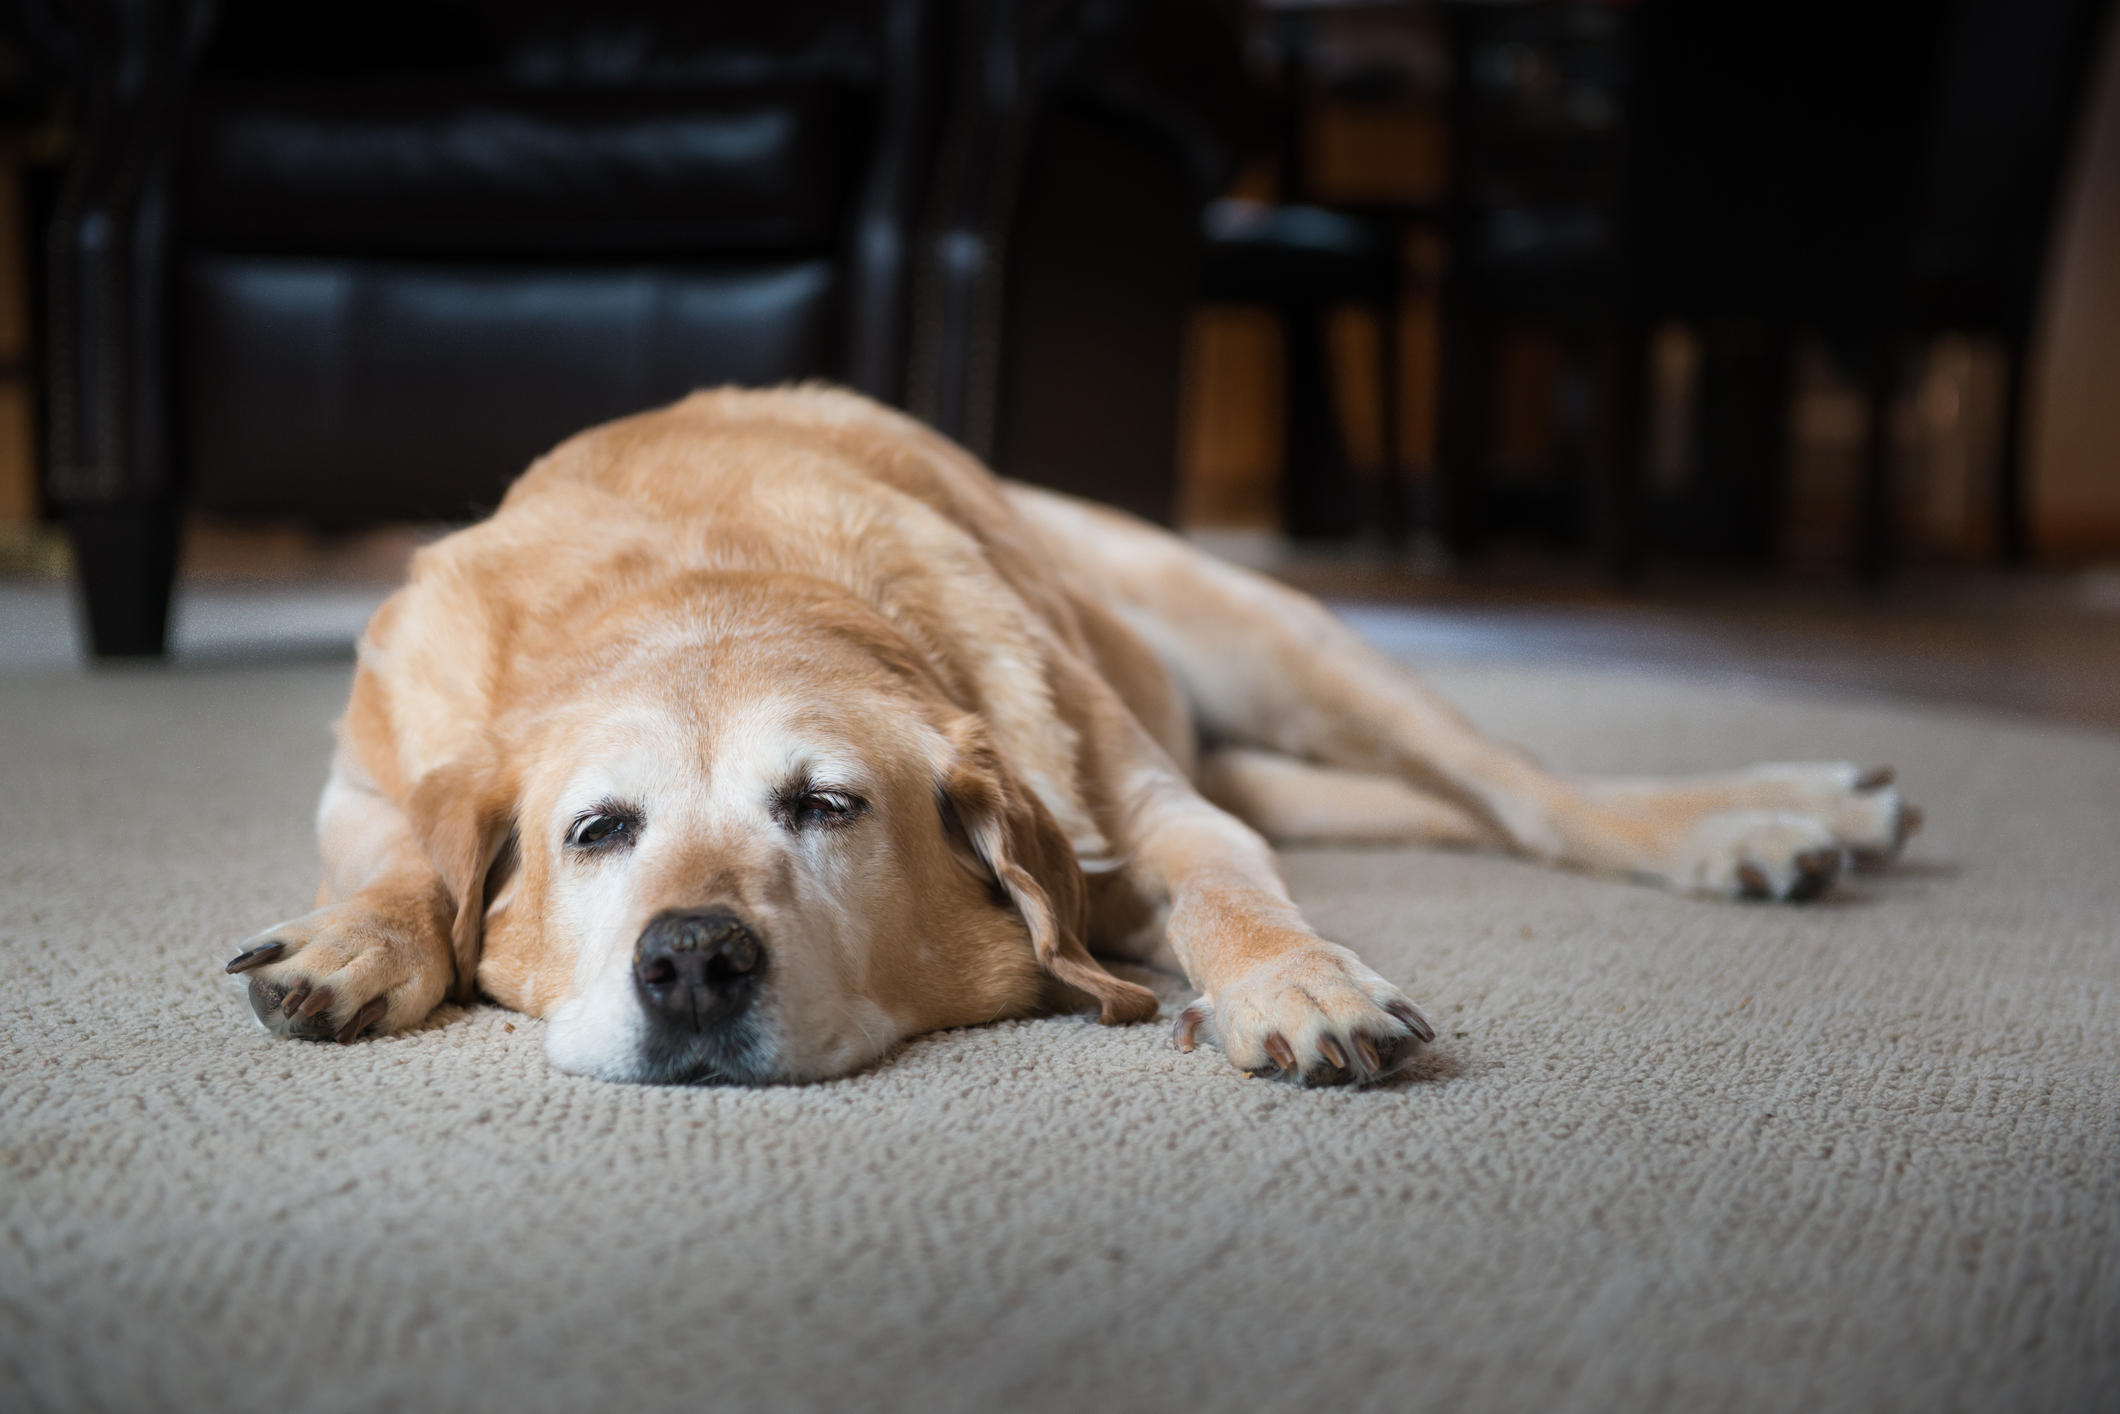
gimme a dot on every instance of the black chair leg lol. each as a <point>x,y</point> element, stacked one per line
<point>1877,507</point>
<point>1318,494</point>
<point>1394,505</point>
<point>126,553</point>
<point>1620,356</point>
<point>1468,353</point>
<point>2013,539</point>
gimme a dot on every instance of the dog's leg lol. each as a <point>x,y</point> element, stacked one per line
<point>1198,888</point>
<point>1288,800</point>
<point>374,955</point>
<point>1264,666</point>
<point>1291,801</point>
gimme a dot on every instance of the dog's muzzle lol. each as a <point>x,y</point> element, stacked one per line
<point>697,970</point>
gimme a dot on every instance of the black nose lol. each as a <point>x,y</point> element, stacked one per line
<point>696,968</point>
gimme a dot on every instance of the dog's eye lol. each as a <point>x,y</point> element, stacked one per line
<point>811,809</point>
<point>600,827</point>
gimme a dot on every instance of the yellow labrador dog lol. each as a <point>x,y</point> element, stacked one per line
<point>757,734</point>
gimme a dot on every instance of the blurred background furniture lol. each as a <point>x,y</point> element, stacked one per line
<point>1538,392</point>
<point>1316,233</point>
<point>1677,242</point>
<point>362,262</point>
<point>1303,262</point>
<point>1058,260</point>
<point>1909,191</point>
<point>1615,283</point>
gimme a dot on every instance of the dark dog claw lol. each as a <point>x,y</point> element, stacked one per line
<point>1410,1017</point>
<point>291,1004</point>
<point>1278,1051</point>
<point>363,1019</point>
<point>256,957</point>
<point>1330,1048</point>
<point>1188,1029</point>
<point>1815,872</point>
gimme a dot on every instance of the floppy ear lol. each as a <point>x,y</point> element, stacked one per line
<point>462,817</point>
<point>1009,835</point>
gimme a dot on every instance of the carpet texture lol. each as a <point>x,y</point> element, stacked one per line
<point>1667,1154</point>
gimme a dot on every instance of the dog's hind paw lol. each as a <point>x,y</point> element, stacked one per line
<point>1875,822</point>
<point>1758,854</point>
<point>1315,1012</point>
<point>1861,807</point>
<point>336,975</point>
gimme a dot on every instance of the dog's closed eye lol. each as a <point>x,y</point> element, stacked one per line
<point>604,826</point>
<point>812,807</point>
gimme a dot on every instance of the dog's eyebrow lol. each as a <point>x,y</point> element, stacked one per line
<point>607,806</point>
<point>809,780</point>
<point>805,769</point>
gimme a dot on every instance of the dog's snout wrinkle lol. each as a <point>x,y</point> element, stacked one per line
<point>696,967</point>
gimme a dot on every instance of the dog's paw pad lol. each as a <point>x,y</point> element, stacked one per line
<point>1759,854</point>
<point>304,1012</point>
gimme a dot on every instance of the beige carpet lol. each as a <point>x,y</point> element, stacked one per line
<point>1863,1155</point>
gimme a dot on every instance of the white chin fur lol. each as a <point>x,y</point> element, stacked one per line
<point>599,1033</point>
<point>812,1033</point>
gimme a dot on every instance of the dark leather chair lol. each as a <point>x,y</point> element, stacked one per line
<point>363,261</point>
<point>356,261</point>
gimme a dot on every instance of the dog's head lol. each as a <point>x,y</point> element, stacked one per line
<point>743,834</point>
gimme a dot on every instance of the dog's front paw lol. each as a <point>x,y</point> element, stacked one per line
<point>338,974</point>
<point>1315,1011</point>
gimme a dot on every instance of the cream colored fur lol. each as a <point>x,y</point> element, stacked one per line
<point>1066,732</point>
